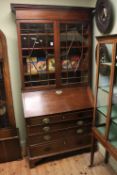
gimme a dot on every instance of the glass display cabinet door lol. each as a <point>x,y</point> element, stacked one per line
<point>113,125</point>
<point>103,87</point>
<point>3,105</point>
<point>74,53</point>
<point>37,43</point>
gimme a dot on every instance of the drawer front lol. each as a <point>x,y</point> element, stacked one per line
<point>48,137</point>
<point>45,120</point>
<point>60,145</point>
<point>39,129</point>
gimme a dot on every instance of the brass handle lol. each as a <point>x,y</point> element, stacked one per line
<point>47,137</point>
<point>79,131</point>
<point>46,128</point>
<point>63,117</point>
<point>46,120</point>
<point>64,142</point>
<point>80,122</point>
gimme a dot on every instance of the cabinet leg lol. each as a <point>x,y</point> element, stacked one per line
<point>34,162</point>
<point>106,157</point>
<point>92,151</point>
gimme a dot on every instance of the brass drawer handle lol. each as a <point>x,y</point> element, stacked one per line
<point>46,120</point>
<point>79,123</point>
<point>47,137</point>
<point>63,117</point>
<point>64,142</point>
<point>46,128</point>
<point>79,131</point>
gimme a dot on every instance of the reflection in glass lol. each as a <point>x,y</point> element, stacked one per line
<point>73,53</point>
<point>105,64</point>
<point>37,41</point>
<point>3,108</point>
<point>114,97</point>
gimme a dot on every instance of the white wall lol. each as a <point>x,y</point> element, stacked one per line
<point>8,26</point>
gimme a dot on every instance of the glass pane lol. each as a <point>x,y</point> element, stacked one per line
<point>3,107</point>
<point>105,64</point>
<point>114,97</point>
<point>113,135</point>
<point>37,42</point>
<point>74,53</point>
<point>100,122</point>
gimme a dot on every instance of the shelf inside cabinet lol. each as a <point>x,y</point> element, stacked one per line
<point>101,129</point>
<point>36,34</point>
<point>38,48</point>
<point>106,89</point>
<point>39,73</point>
<point>108,64</point>
<point>103,110</point>
<point>75,46</point>
<point>112,134</point>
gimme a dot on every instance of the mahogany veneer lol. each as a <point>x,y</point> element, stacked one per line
<point>57,123</point>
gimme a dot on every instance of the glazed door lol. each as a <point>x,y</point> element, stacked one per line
<point>104,86</point>
<point>38,59</point>
<point>4,122</point>
<point>74,53</point>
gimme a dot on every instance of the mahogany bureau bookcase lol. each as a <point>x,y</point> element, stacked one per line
<point>55,62</point>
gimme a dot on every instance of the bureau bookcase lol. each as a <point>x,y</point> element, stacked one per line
<point>55,64</point>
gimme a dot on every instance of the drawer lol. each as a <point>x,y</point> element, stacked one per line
<point>60,145</point>
<point>40,129</point>
<point>48,137</point>
<point>44,120</point>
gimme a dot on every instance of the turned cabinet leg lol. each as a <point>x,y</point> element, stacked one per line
<point>92,151</point>
<point>106,157</point>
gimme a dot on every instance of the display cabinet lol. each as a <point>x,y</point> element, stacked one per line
<point>6,105</point>
<point>9,135</point>
<point>105,110</point>
<point>55,62</point>
<point>54,46</point>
